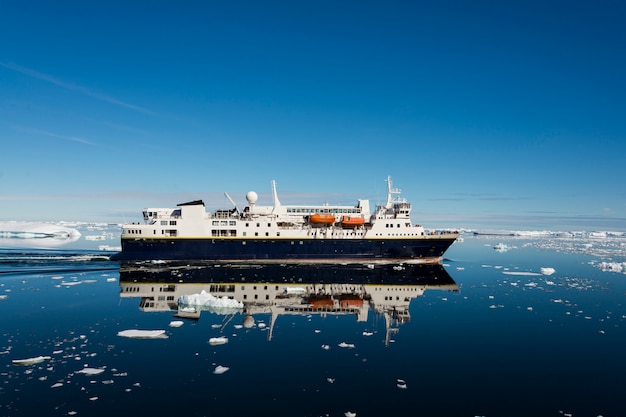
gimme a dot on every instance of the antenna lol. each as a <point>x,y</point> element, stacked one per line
<point>231,201</point>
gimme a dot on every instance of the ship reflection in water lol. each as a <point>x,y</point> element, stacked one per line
<point>277,290</point>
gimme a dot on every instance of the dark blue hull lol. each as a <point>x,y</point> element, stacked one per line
<point>283,250</point>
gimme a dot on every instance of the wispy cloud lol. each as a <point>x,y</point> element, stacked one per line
<point>54,135</point>
<point>68,86</point>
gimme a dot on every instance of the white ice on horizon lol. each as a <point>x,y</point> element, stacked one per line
<point>142,334</point>
<point>36,234</point>
<point>205,299</point>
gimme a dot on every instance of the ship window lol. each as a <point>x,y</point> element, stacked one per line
<point>267,296</point>
<point>215,223</point>
<point>269,225</point>
<point>223,223</point>
<point>214,233</point>
<point>256,233</point>
<point>277,233</point>
<point>163,222</point>
<point>232,223</point>
<point>233,232</point>
<point>172,222</point>
<point>247,224</point>
<point>267,233</point>
<point>245,296</point>
<point>258,225</point>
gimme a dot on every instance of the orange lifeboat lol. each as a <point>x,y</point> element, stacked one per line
<point>321,218</point>
<point>320,302</point>
<point>351,302</point>
<point>351,221</point>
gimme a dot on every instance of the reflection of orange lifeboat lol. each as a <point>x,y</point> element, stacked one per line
<point>352,221</point>
<point>317,302</point>
<point>350,301</point>
<point>320,218</point>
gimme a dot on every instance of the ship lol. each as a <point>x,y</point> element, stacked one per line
<point>284,233</point>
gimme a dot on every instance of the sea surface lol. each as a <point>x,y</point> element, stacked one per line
<point>524,325</point>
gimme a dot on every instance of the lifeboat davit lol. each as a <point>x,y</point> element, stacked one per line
<point>321,218</point>
<point>352,221</point>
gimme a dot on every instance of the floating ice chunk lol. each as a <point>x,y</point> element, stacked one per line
<point>219,369</point>
<point>349,414</point>
<point>401,383</point>
<point>176,323</point>
<point>90,371</point>
<point>72,413</point>
<point>93,398</point>
<point>57,385</point>
<point>262,325</point>
<point>30,361</point>
<point>367,333</point>
<point>218,340</point>
<point>331,380</point>
<point>3,297</point>
<point>142,334</point>
<point>325,347</point>
<point>530,274</point>
<point>346,345</point>
<point>547,271</point>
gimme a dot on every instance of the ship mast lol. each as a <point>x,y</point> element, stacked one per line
<point>390,192</point>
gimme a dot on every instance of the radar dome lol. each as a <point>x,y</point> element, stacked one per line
<point>248,321</point>
<point>252,197</point>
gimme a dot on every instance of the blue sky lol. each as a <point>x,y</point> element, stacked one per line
<point>483,112</point>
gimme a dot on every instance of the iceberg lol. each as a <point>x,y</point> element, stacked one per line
<point>547,271</point>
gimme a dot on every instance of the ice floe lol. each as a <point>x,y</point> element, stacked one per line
<point>176,323</point>
<point>219,369</point>
<point>547,270</point>
<point>218,340</point>
<point>142,334</point>
<point>90,371</point>
<point>346,345</point>
<point>30,361</point>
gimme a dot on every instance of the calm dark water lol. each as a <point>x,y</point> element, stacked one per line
<point>486,334</point>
